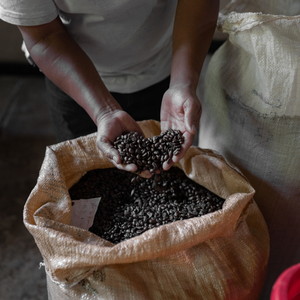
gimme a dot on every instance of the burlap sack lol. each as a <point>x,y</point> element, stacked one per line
<point>251,115</point>
<point>273,7</point>
<point>222,255</point>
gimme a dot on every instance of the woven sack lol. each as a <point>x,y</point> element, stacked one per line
<point>251,115</point>
<point>222,255</point>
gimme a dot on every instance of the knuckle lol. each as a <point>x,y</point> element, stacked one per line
<point>105,146</point>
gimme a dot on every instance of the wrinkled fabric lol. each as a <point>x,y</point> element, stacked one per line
<point>273,7</point>
<point>222,255</point>
<point>251,115</point>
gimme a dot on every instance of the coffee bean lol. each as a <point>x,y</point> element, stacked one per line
<point>176,152</point>
<point>130,204</point>
<point>154,149</point>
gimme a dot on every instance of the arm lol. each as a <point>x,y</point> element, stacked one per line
<point>61,59</point>
<point>194,27</point>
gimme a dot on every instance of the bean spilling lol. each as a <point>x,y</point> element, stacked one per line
<point>149,154</point>
<point>130,204</point>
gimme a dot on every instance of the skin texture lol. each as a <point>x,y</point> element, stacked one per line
<point>194,27</point>
<point>62,60</point>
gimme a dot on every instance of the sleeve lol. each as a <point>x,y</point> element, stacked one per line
<point>28,12</point>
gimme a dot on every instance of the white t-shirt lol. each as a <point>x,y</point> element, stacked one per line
<point>129,41</point>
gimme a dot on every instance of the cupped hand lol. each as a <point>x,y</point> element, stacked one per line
<point>181,109</point>
<point>111,125</point>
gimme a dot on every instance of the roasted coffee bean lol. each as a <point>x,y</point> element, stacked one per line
<point>154,150</point>
<point>130,204</point>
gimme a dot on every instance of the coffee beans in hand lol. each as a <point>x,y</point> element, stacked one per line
<point>131,205</point>
<point>149,154</point>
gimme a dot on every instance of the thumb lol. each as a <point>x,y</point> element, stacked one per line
<point>192,115</point>
<point>106,147</point>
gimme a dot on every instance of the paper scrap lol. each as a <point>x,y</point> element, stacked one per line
<point>83,212</point>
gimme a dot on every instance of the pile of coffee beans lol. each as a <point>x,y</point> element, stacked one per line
<point>149,154</point>
<point>130,204</point>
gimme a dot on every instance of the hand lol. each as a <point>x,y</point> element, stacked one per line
<point>181,109</point>
<point>111,125</point>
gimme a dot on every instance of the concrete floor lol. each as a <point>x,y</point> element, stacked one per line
<point>25,132</point>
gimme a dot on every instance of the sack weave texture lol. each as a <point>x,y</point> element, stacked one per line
<point>222,255</point>
<point>251,115</point>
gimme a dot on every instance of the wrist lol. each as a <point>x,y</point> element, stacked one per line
<point>106,112</point>
<point>183,72</point>
<point>184,82</point>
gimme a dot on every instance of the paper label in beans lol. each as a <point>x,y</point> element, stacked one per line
<point>83,212</point>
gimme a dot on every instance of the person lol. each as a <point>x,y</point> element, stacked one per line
<point>95,52</point>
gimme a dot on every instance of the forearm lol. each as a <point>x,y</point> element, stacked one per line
<point>194,27</point>
<point>61,59</point>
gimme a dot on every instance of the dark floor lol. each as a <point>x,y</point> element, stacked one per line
<point>24,134</point>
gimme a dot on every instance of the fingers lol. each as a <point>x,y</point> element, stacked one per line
<point>105,145</point>
<point>113,155</point>
<point>168,164</point>
<point>130,168</point>
<point>192,113</point>
<point>188,141</point>
<point>112,128</point>
<point>146,174</point>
